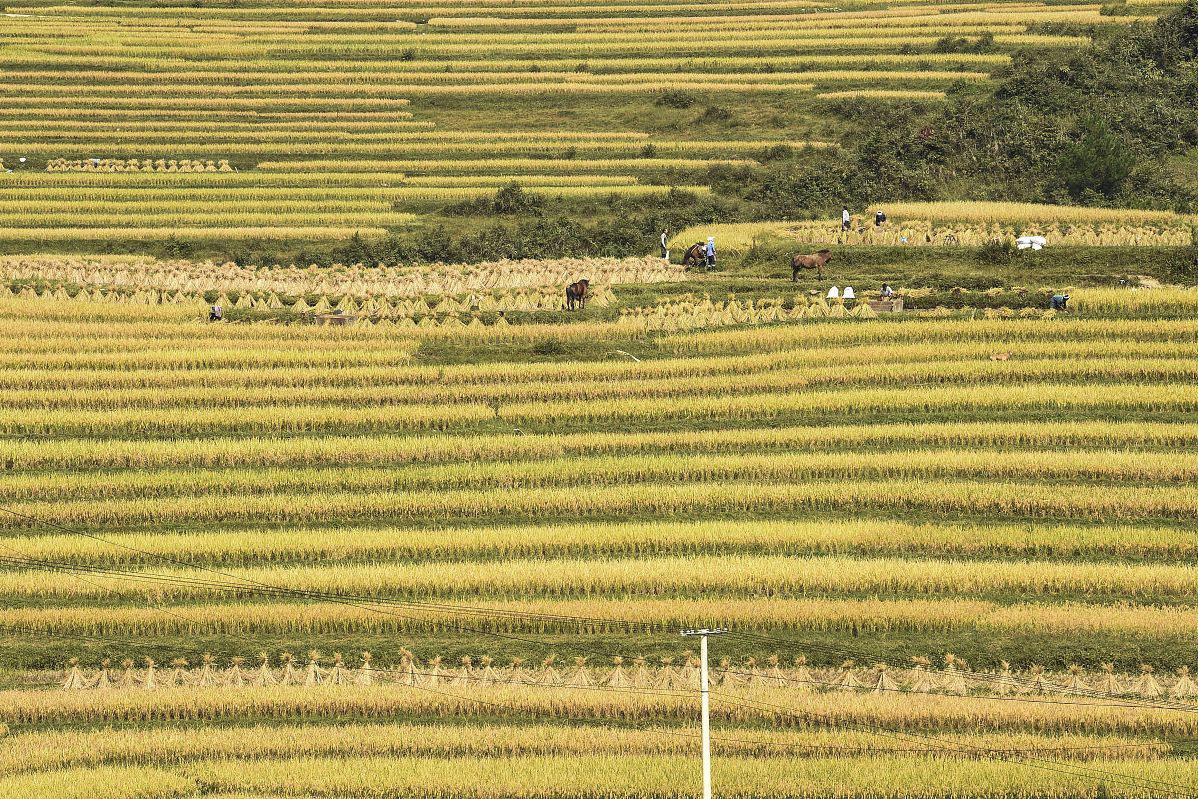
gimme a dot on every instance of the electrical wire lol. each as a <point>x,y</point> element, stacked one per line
<point>356,601</point>
<point>148,604</point>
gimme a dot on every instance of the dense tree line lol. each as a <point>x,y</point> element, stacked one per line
<point>1093,126</point>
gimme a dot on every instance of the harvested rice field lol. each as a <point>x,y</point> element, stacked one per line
<point>222,125</point>
<point>448,549</point>
<point>358,442</point>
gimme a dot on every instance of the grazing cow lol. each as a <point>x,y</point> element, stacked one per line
<point>816,261</point>
<point>576,294</point>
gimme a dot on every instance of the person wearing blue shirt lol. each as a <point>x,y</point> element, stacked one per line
<point>710,252</point>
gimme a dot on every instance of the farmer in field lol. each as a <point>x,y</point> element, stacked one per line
<point>665,249</point>
<point>710,252</point>
<point>846,219</point>
<point>1059,302</point>
<point>879,218</point>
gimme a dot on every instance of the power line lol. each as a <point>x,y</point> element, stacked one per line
<point>1002,755</point>
<point>351,600</point>
<point>932,743</point>
<point>357,600</point>
<point>273,590</point>
<point>148,604</point>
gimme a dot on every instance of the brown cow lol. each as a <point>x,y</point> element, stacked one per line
<point>816,261</point>
<point>695,255</point>
<point>576,294</point>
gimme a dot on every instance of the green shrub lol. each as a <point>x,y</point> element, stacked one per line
<point>676,98</point>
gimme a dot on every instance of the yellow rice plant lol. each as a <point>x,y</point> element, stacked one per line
<point>946,373</point>
<point>882,94</point>
<point>384,703</point>
<point>61,355</point>
<point>116,782</point>
<point>539,777</point>
<point>664,83</point>
<point>356,281</point>
<point>522,180</point>
<point>261,419</point>
<point>426,78</point>
<point>213,233</point>
<point>660,63</point>
<point>203,102</point>
<point>665,776</point>
<point>766,575</point>
<point>828,403</point>
<point>52,311</point>
<point>385,449</point>
<point>33,329</point>
<point>1000,332</point>
<point>1165,301</point>
<point>1019,212</point>
<point>867,535</point>
<point>265,355</point>
<point>484,145</point>
<point>769,615</point>
<point>958,496</point>
<point>41,341</point>
<point>468,166</point>
<point>70,749</point>
<point>581,470</point>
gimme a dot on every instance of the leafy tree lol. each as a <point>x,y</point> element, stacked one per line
<point>1099,162</point>
<point>512,199</point>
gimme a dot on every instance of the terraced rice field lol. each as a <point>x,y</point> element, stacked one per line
<point>251,121</point>
<point>964,224</point>
<point>944,575</point>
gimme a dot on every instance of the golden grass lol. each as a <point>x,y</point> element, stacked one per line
<point>215,232</point>
<point>160,746</point>
<point>583,470</point>
<point>385,703</point>
<point>882,94</point>
<point>646,776</point>
<point>1168,300</point>
<point>771,615</point>
<point>698,575</point>
<point>981,211</point>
